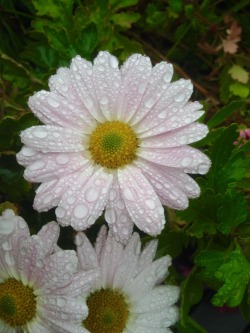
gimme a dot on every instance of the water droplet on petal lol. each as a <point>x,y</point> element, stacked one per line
<point>110,216</point>
<point>27,151</point>
<point>186,161</point>
<point>40,132</point>
<point>203,169</point>
<point>60,212</point>
<point>104,100</point>
<point>179,97</point>
<point>150,203</point>
<point>60,301</point>
<point>130,194</point>
<point>113,62</point>
<point>62,158</point>
<point>37,165</point>
<point>52,102</point>
<point>9,258</point>
<point>91,194</point>
<point>80,211</point>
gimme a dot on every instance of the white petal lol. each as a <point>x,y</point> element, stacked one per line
<point>53,109</point>
<point>175,138</point>
<point>100,241</point>
<point>109,261</point>
<point>27,155</point>
<point>146,256</point>
<point>169,120</point>
<point>135,75</point>
<point>49,194</point>
<point>85,252</point>
<point>55,165</point>
<point>186,158</point>
<point>170,189</point>
<point>90,193</point>
<point>161,297</point>
<point>82,77</point>
<point>141,201</point>
<point>158,83</point>
<point>52,139</point>
<point>57,272</point>
<point>116,214</point>
<point>106,79</point>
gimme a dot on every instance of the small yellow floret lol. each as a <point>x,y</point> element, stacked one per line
<point>17,303</point>
<point>108,312</point>
<point>113,144</point>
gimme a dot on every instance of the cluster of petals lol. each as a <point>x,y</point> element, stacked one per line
<point>37,262</point>
<point>135,274</point>
<point>159,112</point>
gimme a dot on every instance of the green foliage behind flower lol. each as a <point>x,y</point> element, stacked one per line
<point>206,42</point>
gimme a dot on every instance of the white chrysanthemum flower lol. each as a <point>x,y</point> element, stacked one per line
<point>128,296</point>
<point>7,224</point>
<point>40,288</point>
<point>114,139</point>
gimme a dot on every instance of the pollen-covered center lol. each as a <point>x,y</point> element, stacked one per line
<point>17,303</point>
<point>108,312</point>
<point>113,144</point>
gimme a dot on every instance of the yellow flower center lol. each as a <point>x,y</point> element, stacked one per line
<point>17,303</point>
<point>108,312</point>
<point>113,144</point>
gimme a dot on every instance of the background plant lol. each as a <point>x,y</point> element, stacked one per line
<point>207,41</point>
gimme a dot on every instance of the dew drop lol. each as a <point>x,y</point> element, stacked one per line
<point>203,169</point>
<point>130,194</point>
<point>149,102</point>
<point>37,165</point>
<point>27,151</point>
<point>167,77</point>
<point>186,161</point>
<point>150,203</point>
<point>179,97</point>
<point>60,212</point>
<point>40,132</point>
<point>110,216</point>
<point>89,102</point>
<point>79,240</point>
<point>9,258</point>
<point>91,194</point>
<point>104,100</point>
<point>52,102</point>
<point>112,194</point>
<point>80,211</point>
<point>113,62</point>
<point>62,158</point>
<point>61,302</point>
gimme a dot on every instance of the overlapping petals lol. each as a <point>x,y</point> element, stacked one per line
<point>135,274</point>
<point>51,273</point>
<point>160,114</point>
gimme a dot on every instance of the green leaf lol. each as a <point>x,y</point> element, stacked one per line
<point>172,242</point>
<point>54,9</point>
<point>202,214</point>
<point>225,112</point>
<point>233,212</point>
<point>87,41</point>
<point>235,275</point>
<point>228,163</point>
<point>239,89</point>
<point>238,73</point>
<point>125,20</point>
<point>191,326</point>
<point>191,293</point>
<point>118,4</point>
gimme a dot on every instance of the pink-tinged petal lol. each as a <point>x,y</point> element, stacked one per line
<point>186,158</point>
<point>100,241</point>
<point>174,98</point>
<point>54,166</point>
<point>90,197</point>
<point>158,83</point>
<point>173,119</point>
<point>142,203</point>
<point>116,214</point>
<point>132,327</point>
<point>156,272</point>
<point>135,75</point>
<point>81,283</point>
<point>177,137</point>
<point>7,225</point>
<point>158,319</point>
<point>56,325</point>
<point>159,298</point>
<point>57,272</point>
<point>107,80</point>
<point>173,186</point>
<point>27,155</point>
<point>53,139</point>
<point>63,307</point>
<point>82,78</point>
<point>109,261</point>
<point>126,269</point>
<point>53,109</point>
<point>85,252</point>
<point>49,194</point>
<point>48,237</point>
<point>147,256</point>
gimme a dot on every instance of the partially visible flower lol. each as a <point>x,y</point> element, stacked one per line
<point>115,139</point>
<point>7,224</point>
<point>230,44</point>
<point>128,296</point>
<point>39,288</point>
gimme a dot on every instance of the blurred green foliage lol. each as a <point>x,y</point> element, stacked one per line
<point>208,42</point>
